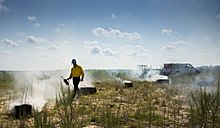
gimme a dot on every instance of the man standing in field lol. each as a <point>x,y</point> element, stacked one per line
<point>77,74</point>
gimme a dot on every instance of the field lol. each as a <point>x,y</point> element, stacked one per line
<point>184,103</point>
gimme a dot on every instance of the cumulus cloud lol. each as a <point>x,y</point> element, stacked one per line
<point>32,18</point>
<point>96,50</point>
<point>53,47</point>
<point>168,47</point>
<point>106,51</point>
<point>141,48</point>
<point>8,42</point>
<point>33,39</point>
<point>110,32</point>
<point>137,51</point>
<point>167,31</point>
<point>3,8</point>
<point>109,52</point>
<point>173,45</point>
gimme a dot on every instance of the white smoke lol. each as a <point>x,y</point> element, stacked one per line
<point>151,75</point>
<point>206,81</point>
<point>35,88</point>
<point>38,88</point>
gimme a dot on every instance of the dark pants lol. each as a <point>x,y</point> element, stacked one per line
<point>76,81</point>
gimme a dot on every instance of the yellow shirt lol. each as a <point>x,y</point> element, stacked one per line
<point>77,71</point>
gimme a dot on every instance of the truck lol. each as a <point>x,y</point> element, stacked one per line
<point>178,68</point>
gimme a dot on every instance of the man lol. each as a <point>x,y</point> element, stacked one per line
<point>77,74</point>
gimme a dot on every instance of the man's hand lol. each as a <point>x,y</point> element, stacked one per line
<point>81,79</point>
<point>66,81</point>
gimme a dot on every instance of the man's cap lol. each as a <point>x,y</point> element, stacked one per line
<point>74,61</point>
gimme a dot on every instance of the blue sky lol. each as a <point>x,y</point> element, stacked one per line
<point>47,34</point>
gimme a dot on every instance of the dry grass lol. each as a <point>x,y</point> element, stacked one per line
<point>144,105</point>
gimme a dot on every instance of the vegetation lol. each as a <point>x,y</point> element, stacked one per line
<point>6,79</point>
<point>146,104</point>
<point>205,108</point>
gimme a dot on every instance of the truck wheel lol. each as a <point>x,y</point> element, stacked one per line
<point>197,72</point>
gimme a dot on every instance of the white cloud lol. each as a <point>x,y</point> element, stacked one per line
<point>53,47</point>
<point>32,18</point>
<point>115,33</point>
<point>96,50</point>
<point>179,43</point>
<point>33,39</point>
<point>136,51</point>
<point>173,45</point>
<point>109,52</point>
<point>37,25</point>
<point>167,31</point>
<point>8,42</point>
<point>3,8</point>
<point>168,47</point>
<point>91,43</point>
<point>4,52</point>
<point>66,42</point>
<point>113,16</point>
<point>141,48</point>
<point>20,33</point>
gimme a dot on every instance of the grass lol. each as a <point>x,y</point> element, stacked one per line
<point>6,80</point>
<point>205,106</point>
<point>144,105</point>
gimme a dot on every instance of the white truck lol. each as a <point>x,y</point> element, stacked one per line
<point>178,68</point>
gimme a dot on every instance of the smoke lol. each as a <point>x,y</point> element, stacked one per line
<point>35,88</point>
<point>206,81</point>
<point>38,88</point>
<point>87,82</point>
<point>149,74</point>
